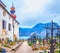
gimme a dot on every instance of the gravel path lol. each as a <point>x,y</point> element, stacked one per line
<point>24,48</point>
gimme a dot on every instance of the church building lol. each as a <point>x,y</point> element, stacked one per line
<point>9,26</point>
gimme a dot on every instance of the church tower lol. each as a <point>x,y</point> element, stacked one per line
<point>12,11</point>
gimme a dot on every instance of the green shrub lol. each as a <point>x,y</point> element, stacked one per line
<point>57,51</point>
<point>0,41</point>
<point>5,45</point>
<point>30,44</point>
<point>0,49</point>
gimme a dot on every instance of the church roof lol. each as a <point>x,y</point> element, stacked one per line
<point>1,3</point>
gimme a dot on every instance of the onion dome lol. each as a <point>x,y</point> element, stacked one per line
<point>12,12</point>
<point>12,9</point>
<point>13,15</point>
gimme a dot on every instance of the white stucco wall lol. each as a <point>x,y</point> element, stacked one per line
<point>0,21</point>
<point>6,18</point>
<point>16,29</point>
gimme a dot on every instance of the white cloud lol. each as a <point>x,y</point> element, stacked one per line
<point>34,6</point>
<point>57,19</point>
<point>31,12</point>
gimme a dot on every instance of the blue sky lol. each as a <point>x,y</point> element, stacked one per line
<point>32,12</point>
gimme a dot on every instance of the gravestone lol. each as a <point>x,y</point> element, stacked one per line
<point>34,39</point>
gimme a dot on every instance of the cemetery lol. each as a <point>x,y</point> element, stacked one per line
<point>8,45</point>
<point>22,33</point>
<point>51,44</point>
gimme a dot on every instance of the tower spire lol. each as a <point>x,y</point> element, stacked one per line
<point>12,4</point>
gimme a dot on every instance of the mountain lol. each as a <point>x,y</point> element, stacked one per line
<point>39,28</point>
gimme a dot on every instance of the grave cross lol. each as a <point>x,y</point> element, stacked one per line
<point>52,48</point>
<point>52,29</point>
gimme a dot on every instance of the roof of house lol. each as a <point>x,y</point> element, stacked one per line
<point>3,5</point>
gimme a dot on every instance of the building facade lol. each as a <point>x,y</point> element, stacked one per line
<point>8,25</point>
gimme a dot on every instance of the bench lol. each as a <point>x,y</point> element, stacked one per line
<point>14,48</point>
